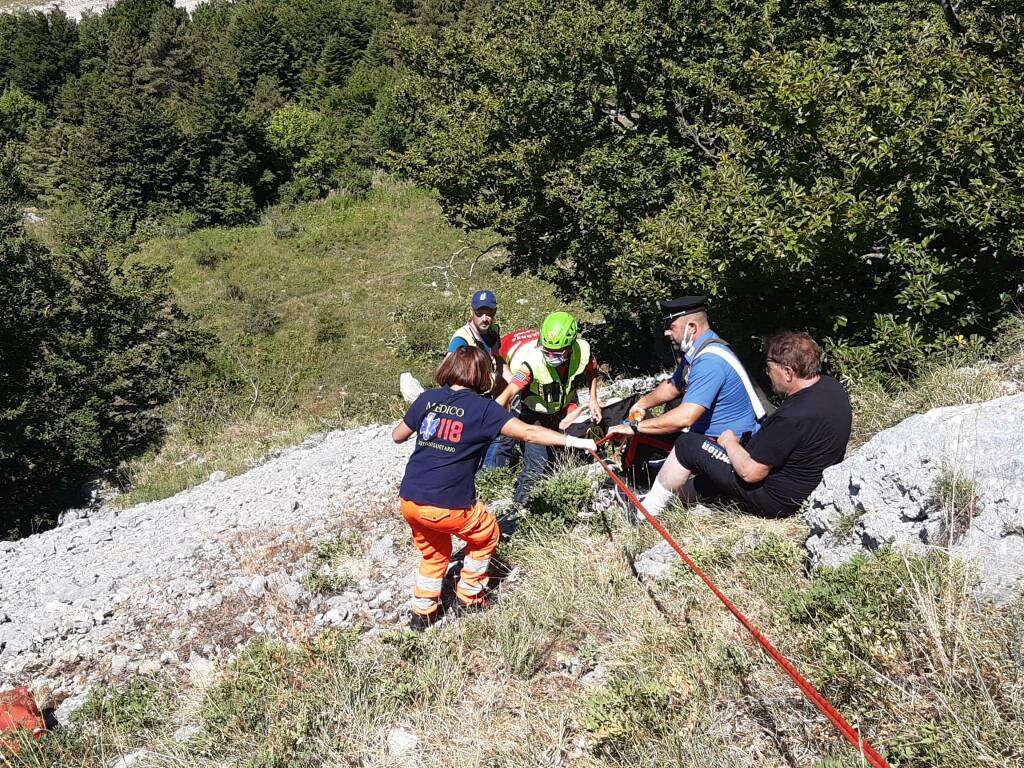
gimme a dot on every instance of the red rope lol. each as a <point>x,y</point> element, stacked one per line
<point>849,732</point>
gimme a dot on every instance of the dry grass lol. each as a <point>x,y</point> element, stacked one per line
<point>899,645</point>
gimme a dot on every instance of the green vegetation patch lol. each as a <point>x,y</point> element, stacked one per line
<point>315,328</point>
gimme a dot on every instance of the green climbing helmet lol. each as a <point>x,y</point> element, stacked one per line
<point>558,331</point>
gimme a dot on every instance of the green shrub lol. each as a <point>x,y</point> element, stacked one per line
<point>560,500</point>
<point>331,326</point>
<point>497,483</point>
<point>141,705</point>
<point>625,711</point>
<point>328,574</point>
<point>260,319</point>
<point>89,355</point>
<point>854,619</point>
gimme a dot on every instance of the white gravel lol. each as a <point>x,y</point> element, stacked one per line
<point>172,585</point>
<point>75,9</point>
<point>169,584</point>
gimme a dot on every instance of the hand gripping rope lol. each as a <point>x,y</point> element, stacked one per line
<point>851,734</point>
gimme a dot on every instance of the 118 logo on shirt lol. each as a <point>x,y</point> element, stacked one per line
<point>450,430</point>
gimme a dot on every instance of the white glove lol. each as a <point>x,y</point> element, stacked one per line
<point>580,442</point>
<point>409,387</point>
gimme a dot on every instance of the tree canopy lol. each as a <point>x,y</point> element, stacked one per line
<point>854,169</point>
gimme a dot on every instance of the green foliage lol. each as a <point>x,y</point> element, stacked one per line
<point>261,319</point>
<point>626,710</point>
<point>140,706</point>
<point>144,112</point>
<point>90,354</point>
<point>497,483</point>
<point>328,574</point>
<point>37,52</point>
<point>855,167</point>
<point>19,114</point>
<point>561,499</point>
<point>855,613</point>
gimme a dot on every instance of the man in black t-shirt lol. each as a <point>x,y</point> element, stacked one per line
<point>783,462</point>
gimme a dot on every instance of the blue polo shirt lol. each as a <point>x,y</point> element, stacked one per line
<point>715,385</point>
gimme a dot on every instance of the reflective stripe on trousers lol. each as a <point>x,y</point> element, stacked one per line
<point>432,529</point>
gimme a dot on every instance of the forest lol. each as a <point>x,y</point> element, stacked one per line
<point>852,169</point>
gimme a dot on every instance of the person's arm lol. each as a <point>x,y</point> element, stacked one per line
<point>534,433</point>
<point>505,398</point>
<point>679,418</point>
<point>749,470</point>
<point>518,383</point>
<point>595,404</point>
<point>402,432</point>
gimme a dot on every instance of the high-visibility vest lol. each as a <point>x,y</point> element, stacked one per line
<point>546,393</point>
<point>466,334</point>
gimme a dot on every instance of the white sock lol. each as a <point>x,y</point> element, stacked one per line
<point>657,498</point>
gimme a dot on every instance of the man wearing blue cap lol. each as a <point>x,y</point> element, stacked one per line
<point>481,330</point>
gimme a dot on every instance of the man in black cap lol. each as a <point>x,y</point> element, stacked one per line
<point>717,393</point>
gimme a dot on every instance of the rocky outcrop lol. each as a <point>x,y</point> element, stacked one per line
<point>950,479</point>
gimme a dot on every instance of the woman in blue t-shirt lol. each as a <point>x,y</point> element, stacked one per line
<point>454,425</point>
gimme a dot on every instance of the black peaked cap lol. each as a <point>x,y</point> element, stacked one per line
<point>683,305</point>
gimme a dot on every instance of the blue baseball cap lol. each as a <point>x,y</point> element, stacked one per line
<point>484,299</point>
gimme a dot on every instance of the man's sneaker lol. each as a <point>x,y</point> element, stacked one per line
<point>419,622</point>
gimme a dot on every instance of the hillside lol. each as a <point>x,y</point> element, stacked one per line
<point>258,621</point>
<point>316,311</point>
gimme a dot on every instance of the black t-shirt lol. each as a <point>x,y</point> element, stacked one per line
<point>805,436</point>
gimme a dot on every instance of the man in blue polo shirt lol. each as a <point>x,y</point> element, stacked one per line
<point>717,394</point>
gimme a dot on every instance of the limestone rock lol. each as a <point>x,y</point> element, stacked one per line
<point>657,562</point>
<point>952,478</point>
<point>401,743</point>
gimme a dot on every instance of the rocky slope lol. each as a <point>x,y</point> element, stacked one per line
<point>949,478</point>
<point>176,583</point>
<point>78,8</point>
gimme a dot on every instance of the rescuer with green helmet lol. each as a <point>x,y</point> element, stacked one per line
<point>546,375</point>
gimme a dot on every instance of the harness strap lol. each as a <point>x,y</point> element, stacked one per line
<point>715,348</point>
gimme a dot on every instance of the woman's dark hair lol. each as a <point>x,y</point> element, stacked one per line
<point>795,350</point>
<point>468,367</point>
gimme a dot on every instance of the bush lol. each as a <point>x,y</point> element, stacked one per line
<point>855,613</point>
<point>89,355</point>
<point>261,320</point>
<point>560,500</point>
<point>849,169</point>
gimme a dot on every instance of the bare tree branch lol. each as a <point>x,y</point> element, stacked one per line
<point>951,18</point>
<point>690,131</point>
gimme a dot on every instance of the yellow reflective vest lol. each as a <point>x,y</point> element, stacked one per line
<point>546,393</point>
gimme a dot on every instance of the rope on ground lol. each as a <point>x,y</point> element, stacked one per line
<point>850,733</point>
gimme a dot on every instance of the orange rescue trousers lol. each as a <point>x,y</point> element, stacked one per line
<point>432,531</point>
